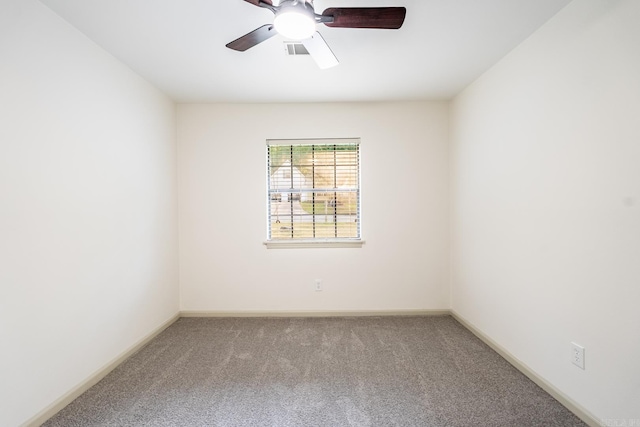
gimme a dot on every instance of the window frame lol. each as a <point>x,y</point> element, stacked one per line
<point>320,242</point>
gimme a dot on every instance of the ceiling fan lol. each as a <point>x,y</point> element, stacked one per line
<point>297,19</point>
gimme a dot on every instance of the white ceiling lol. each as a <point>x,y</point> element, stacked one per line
<point>179,46</point>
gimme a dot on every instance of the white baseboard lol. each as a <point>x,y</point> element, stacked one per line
<point>93,379</point>
<point>278,313</point>
<point>565,400</point>
<point>63,401</point>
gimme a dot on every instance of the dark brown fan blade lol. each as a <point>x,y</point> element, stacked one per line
<point>253,38</point>
<point>366,17</point>
<point>257,2</point>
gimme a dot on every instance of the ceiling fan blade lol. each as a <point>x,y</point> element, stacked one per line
<point>253,38</point>
<point>257,2</point>
<point>366,17</point>
<point>320,51</point>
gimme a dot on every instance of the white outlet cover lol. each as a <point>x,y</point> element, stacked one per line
<point>577,355</point>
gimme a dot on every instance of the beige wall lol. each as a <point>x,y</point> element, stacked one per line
<point>546,204</point>
<point>88,216</point>
<point>222,182</point>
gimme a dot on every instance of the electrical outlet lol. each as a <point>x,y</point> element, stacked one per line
<point>318,285</point>
<point>577,355</point>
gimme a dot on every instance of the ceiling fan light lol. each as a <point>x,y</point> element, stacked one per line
<point>295,24</point>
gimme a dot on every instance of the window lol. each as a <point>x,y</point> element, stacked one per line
<point>313,192</point>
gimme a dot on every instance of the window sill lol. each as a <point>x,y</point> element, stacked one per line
<point>313,244</point>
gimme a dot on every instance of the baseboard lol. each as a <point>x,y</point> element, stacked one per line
<point>565,400</point>
<point>63,401</point>
<point>93,379</point>
<point>278,313</point>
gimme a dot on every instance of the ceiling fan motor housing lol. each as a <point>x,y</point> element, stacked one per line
<point>296,6</point>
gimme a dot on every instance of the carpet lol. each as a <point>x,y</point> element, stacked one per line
<point>281,372</point>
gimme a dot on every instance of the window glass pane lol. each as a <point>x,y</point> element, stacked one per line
<point>323,176</point>
<point>314,190</point>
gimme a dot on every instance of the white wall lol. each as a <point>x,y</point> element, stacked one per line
<point>546,204</point>
<point>225,267</point>
<point>88,209</point>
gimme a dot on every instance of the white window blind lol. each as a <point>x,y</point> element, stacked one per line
<point>313,190</point>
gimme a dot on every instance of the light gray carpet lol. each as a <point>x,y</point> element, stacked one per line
<point>380,371</point>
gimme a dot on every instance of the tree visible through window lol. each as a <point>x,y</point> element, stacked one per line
<point>313,189</point>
